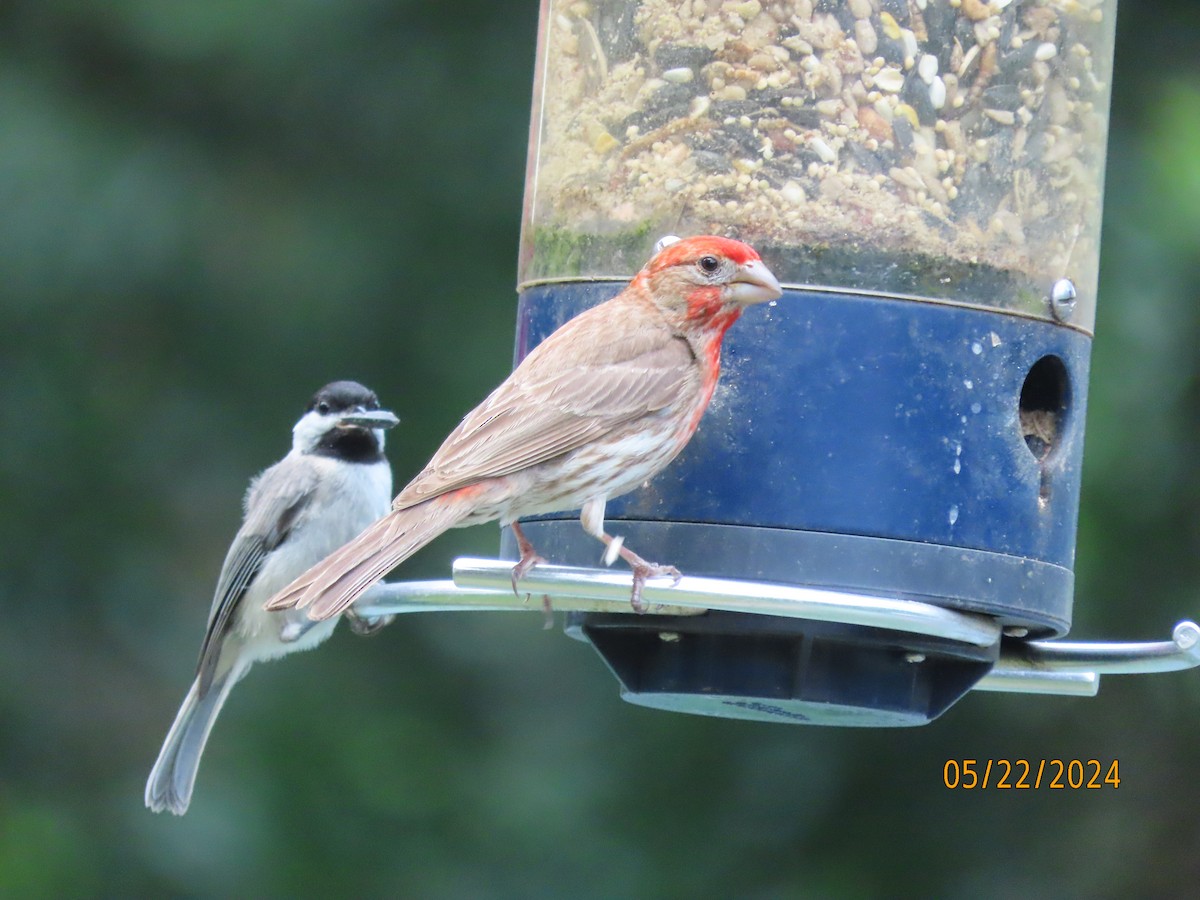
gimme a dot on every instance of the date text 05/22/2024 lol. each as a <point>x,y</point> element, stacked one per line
<point>1030,774</point>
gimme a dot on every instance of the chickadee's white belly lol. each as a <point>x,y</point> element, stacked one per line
<point>350,498</point>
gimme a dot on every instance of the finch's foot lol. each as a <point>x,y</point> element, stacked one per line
<point>521,569</point>
<point>365,627</point>
<point>643,570</point>
<point>529,559</point>
<point>592,519</point>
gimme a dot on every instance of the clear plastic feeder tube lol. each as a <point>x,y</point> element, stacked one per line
<point>949,151</point>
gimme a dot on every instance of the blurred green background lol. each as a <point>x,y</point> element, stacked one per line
<point>208,210</point>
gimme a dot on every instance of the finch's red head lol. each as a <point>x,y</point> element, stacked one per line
<point>707,280</point>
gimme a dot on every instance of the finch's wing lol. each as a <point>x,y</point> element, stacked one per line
<point>274,502</point>
<point>576,387</point>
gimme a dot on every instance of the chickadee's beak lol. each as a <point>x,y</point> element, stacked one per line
<point>375,418</point>
<point>754,283</point>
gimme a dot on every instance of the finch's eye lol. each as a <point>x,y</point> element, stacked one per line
<point>709,264</point>
<point>323,407</point>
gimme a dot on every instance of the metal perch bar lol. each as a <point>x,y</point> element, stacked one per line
<point>1069,667</point>
<point>393,597</point>
<point>487,584</point>
<point>1104,658</point>
<point>1038,667</point>
<point>1017,680</point>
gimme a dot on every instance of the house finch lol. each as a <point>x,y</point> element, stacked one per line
<point>601,405</point>
<point>333,483</point>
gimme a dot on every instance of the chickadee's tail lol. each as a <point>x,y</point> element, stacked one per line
<point>174,774</point>
<point>330,586</point>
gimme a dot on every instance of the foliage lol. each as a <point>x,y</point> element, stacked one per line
<point>209,210</point>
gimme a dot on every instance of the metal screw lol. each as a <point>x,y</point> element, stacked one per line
<point>914,657</point>
<point>668,637</point>
<point>1016,631</point>
<point>1062,299</point>
<point>665,241</point>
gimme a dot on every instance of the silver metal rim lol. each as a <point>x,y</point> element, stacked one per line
<point>1041,667</point>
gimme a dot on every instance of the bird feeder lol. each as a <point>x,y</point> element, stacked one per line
<point>879,510</point>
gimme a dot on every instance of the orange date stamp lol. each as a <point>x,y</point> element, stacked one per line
<point>1031,774</point>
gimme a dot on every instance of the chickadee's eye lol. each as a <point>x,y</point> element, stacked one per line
<point>709,264</point>
<point>322,407</point>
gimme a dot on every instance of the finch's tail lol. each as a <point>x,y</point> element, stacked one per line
<point>174,774</point>
<point>330,586</point>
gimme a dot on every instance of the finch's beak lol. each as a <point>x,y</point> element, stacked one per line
<point>754,283</point>
<point>375,418</point>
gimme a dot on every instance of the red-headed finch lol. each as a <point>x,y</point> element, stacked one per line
<point>601,405</point>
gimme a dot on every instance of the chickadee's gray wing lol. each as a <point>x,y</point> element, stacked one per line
<point>274,502</point>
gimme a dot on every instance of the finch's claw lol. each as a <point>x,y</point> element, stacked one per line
<point>547,609</point>
<point>669,570</point>
<point>522,568</point>
<point>635,599</point>
<point>643,571</point>
<point>529,558</point>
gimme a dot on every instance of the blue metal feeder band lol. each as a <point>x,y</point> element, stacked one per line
<point>866,443</point>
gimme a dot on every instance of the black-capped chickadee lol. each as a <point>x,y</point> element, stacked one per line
<point>333,484</point>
